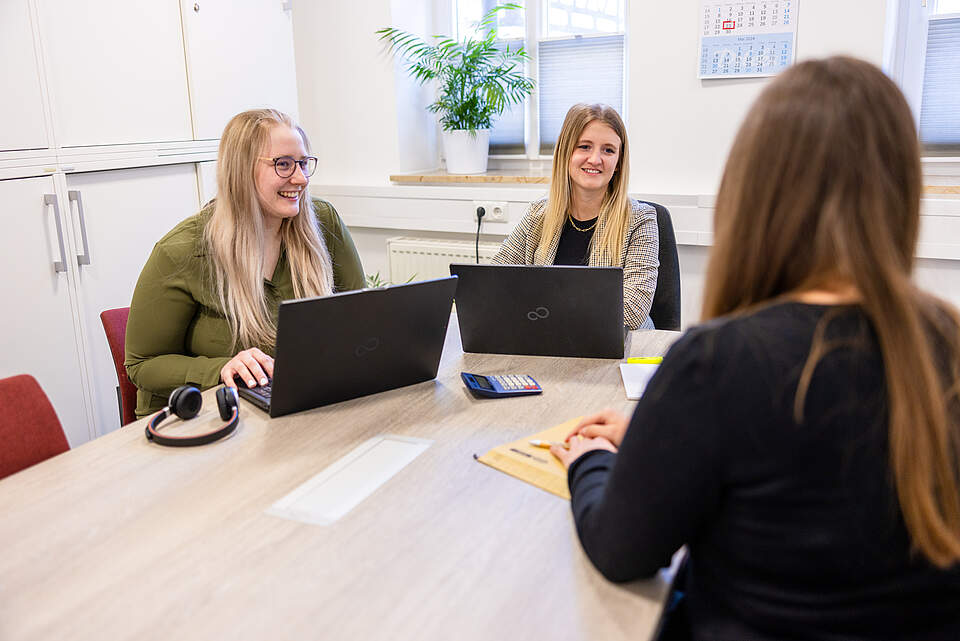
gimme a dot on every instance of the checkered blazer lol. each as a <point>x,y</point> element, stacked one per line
<point>639,256</point>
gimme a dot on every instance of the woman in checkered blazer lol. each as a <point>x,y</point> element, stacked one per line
<point>588,219</point>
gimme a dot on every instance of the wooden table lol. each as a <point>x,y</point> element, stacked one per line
<point>124,539</point>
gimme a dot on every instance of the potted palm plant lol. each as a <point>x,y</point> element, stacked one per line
<point>476,81</point>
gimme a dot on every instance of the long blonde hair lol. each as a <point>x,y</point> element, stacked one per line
<point>234,235</point>
<point>823,183</point>
<point>615,211</point>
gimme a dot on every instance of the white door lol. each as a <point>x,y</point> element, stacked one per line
<point>21,109</point>
<point>116,71</point>
<point>239,57</point>
<point>37,330</point>
<point>125,212</point>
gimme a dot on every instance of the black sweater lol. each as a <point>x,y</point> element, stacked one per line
<point>793,530</point>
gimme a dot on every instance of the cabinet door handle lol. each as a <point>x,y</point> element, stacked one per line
<point>51,199</point>
<point>82,259</point>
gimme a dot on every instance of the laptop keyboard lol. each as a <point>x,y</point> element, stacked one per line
<point>264,391</point>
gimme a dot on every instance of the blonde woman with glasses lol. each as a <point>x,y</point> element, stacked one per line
<point>804,442</point>
<point>587,218</point>
<point>205,307</point>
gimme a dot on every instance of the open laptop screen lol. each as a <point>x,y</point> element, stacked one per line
<point>338,347</point>
<point>555,310</point>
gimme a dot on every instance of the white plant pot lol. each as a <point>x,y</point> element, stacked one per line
<point>466,151</point>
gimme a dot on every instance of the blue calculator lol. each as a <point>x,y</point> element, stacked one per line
<point>501,385</point>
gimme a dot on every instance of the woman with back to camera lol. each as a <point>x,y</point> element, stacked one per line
<point>804,442</point>
<point>587,218</point>
<point>205,307</point>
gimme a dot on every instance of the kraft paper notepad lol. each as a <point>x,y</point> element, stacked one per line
<point>534,465</point>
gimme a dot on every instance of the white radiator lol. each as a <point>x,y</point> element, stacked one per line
<point>423,258</point>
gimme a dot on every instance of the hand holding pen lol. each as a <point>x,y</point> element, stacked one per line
<point>607,424</point>
<point>576,446</point>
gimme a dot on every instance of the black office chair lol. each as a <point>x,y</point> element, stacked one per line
<point>665,311</point>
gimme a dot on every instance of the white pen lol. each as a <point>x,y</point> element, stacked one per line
<point>548,444</point>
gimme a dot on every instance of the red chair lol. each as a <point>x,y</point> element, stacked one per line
<point>115,326</point>
<point>30,431</point>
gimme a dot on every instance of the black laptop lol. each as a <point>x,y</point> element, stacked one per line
<point>541,310</point>
<point>338,347</point>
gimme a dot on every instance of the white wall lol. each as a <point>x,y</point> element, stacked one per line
<point>417,142</point>
<point>348,104</point>
<point>941,277</point>
<point>680,127</point>
<point>365,119</point>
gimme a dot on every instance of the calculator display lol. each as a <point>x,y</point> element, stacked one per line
<point>483,382</point>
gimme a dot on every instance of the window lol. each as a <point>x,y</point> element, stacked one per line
<point>924,58</point>
<point>577,51</point>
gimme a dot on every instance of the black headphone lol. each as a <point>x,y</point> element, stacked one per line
<point>185,402</point>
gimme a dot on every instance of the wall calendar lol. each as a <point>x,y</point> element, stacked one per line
<point>741,39</point>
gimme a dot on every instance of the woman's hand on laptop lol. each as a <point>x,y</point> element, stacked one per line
<point>607,424</point>
<point>252,365</point>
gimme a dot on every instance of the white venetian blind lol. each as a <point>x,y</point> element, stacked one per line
<point>578,69</point>
<point>940,104</point>
<point>580,58</point>
<point>506,136</point>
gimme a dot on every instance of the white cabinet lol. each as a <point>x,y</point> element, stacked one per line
<point>97,101</point>
<point>39,335</point>
<point>239,56</point>
<point>21,110</point>
<point>52,328</point>
<point>207,178</point>
<point>115,71</point>
<point>124,213</point>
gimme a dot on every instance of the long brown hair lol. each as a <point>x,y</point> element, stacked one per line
<point>234,233</point>
<point>822,185</point>
<point>615,211</point>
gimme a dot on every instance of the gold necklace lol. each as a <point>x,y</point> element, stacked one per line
<point>573,222</point>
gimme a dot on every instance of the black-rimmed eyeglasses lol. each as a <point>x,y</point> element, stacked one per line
<point>286,165</point>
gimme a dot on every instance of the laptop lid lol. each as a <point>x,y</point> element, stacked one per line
<point>555,310</point>
<point>338,347</point>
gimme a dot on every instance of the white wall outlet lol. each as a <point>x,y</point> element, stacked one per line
<point>496,211</point>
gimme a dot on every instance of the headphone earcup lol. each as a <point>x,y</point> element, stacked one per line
<point>186,401</point>
<point>226,402</point>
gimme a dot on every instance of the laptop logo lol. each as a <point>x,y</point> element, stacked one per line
<point>538,313</point>
<point>367,347</point>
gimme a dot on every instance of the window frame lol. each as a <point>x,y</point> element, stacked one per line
<point>534,14</point>
<point>904,60</point>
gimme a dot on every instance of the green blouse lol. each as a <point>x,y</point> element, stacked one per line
<point>177,333</point>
